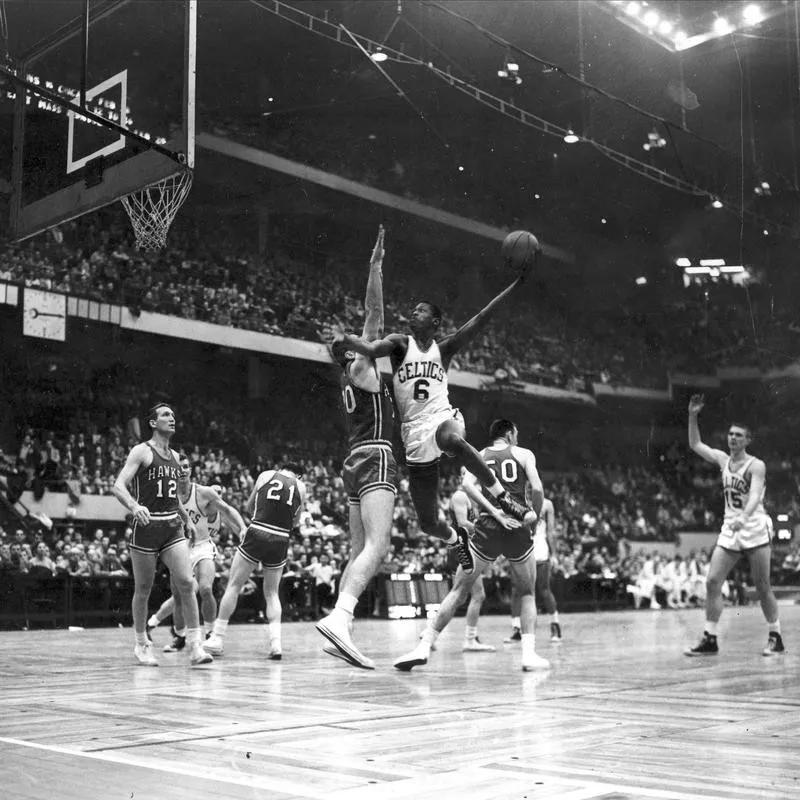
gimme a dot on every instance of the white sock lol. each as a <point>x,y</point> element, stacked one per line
<point>515,622</point>
<point>528,642</point>
<point>193,636</point>
<point>208,627</point>
<point>452,539</point>
<point>141,638</point>
<point>154,621</point>
<point>429,636</point>
<point>220,627</point>
<point>274,631</point>
<point>181,631</point>
<point>496,489</point>
<point>711,627</point>
<point>470,632</point>
<point>346,602</point>
<point>555,617</point>
<point>775,627</point>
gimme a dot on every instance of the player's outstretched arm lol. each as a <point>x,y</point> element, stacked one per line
<point>390,344</point>
<point>696,444</point>
<point>373,302</point>
<point>450,345</point>
<point>230,516</point>
<point>472,488</point>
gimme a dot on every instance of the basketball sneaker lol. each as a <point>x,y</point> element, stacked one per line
<point>515,509</point>
<point>335,629</point>
<point>476,646</point>
<point>706,647</point>
<point>555,632</point>
<point>148,632</point>
<point>336,653</point>
<point>177,644</point>
<point>416,658</point>
<point>462,551</point>
<point>275,651</point>
<point>144,655</point>
<point>533,661</point>
<point>214,645</point>
<point>774,645</point>
<point>198,655</point>
<point>516,636</point>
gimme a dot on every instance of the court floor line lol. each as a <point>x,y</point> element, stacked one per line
<point>173,768</point>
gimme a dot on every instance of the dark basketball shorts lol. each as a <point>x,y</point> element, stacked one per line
<point>261,547</point>
<point>491,540</point>
<point>369,468</point>
<point>158,536</point>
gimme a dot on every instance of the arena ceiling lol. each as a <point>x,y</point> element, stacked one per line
<point>276,85</point>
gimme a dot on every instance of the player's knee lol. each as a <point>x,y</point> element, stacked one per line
<point>184,584</point>
<point>205,590</point>
<point>714,584</point>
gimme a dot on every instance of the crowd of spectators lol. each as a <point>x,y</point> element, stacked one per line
<point>225,282</point>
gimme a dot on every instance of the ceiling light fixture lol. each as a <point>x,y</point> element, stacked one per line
<point>722,26</point>
<point>716,203</point>
<point>651,19</point>
<point>752,15</point>
<point>633,9</point>
<point>571,137</point>
<point>683,262</point>
<point>379,56</point>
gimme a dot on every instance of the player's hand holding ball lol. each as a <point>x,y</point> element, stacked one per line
<point>519,251</point>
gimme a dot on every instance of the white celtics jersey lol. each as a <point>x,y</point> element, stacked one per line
<point>205,527</point>
<point>420,383</point>
<point>736,489</point>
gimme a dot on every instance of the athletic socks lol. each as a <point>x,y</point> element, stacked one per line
<point>141,638</point>
<point>208,627</point>
<point>347,603</point>
<point>274,631</point>
<point>471,632</point>
<point>711,628</point>
<point>193,636</point>
<point>515,622</point>
<point>220,627</point>
<point>429,636</point>
<point>775,627</point>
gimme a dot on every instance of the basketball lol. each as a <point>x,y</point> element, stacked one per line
<point>519,249</point>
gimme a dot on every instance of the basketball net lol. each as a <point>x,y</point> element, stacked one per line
<point>152,209</point>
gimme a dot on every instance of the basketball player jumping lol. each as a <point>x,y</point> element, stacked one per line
<point>430,426</point>
<point>274,507</point>
<point>369,470</point>
<point>208,511</point>
<point>158,521</point>
<point>515,468</point>
<point>746,529</point>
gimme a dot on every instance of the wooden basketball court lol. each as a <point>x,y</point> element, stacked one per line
<point>622,714</point>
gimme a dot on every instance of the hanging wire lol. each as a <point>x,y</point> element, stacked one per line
<point>4,28</point>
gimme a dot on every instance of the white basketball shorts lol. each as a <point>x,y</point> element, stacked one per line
<point>419,436</point>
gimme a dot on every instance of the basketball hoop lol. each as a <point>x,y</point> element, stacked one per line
<point>152,209</point>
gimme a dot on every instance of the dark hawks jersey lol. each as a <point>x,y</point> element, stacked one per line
<point>370,415</point>
<point>507,470</point>
<point>156,487</point>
